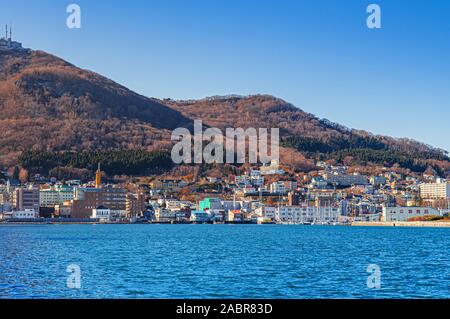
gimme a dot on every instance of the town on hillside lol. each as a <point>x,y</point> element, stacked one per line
<point>329,195</point>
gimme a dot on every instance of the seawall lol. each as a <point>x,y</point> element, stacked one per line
<point>403,224</point>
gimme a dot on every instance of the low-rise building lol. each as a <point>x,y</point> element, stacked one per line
<point>198,216</point>
<point>392,214</point>
<point>25,214</point>
<point>102,213</point>
<point>307,214</point>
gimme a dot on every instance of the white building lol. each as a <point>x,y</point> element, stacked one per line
<point>392,214</point>
<point>102,213</point>
<point>25,214</point>
<point>307,214</point>
<point>439,190</point>
<point>267,212</point>
<point>375,217</point>
<point>56,195</point>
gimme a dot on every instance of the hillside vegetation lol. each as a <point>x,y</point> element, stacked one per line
<point>48,105</point>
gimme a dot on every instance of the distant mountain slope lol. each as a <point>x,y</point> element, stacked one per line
<point>49,104</point>
<point>317,138</point>
<point>268,111</point>
<point>46,102</point>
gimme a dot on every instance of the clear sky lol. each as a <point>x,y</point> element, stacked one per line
<point>318,55</point>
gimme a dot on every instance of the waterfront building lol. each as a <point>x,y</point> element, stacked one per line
<point>63,210</point>
<point>367,218</point>
<point>167,216</point>
<point>135,204</point>
<point>234,216</point>
<point>210,204</point>
<point>307,214</point>
<point>88,198</point>
<point>25,214</point>
<point>102,213</point>
<point>26,198</point>
<point>198,216</point>
<point>391,214</point>
<point>56,195</point>
<point>268,212</point>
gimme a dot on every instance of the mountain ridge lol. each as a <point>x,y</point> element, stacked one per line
<point>48,103</point>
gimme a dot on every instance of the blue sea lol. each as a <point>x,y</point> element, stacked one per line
<point>223,261</point>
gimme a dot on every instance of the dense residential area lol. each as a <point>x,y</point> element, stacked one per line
<point>329,195</point>
<point>326,173</point>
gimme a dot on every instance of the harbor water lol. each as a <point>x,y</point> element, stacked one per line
<point>223,261</point>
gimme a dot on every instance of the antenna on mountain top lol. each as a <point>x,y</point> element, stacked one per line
<point>6,32</point>
<point>10,31</point>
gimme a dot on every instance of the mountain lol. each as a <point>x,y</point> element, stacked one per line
<point>316,138</point>
<point>49,104</point>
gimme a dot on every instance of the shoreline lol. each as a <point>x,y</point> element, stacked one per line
<point>402,224</point>
<point>423,224</point>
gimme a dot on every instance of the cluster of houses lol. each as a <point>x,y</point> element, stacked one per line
<point>330,195</point>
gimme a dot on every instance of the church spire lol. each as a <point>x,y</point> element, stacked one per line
<point>98,177</point>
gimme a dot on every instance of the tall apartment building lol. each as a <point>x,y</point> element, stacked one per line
<point>439,190</point>
<point>89,198</point>
<point>56,195</point>
<point>135,204</point>
<point>26,198</point>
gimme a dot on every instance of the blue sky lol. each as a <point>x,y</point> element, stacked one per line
<point>318,55</point>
